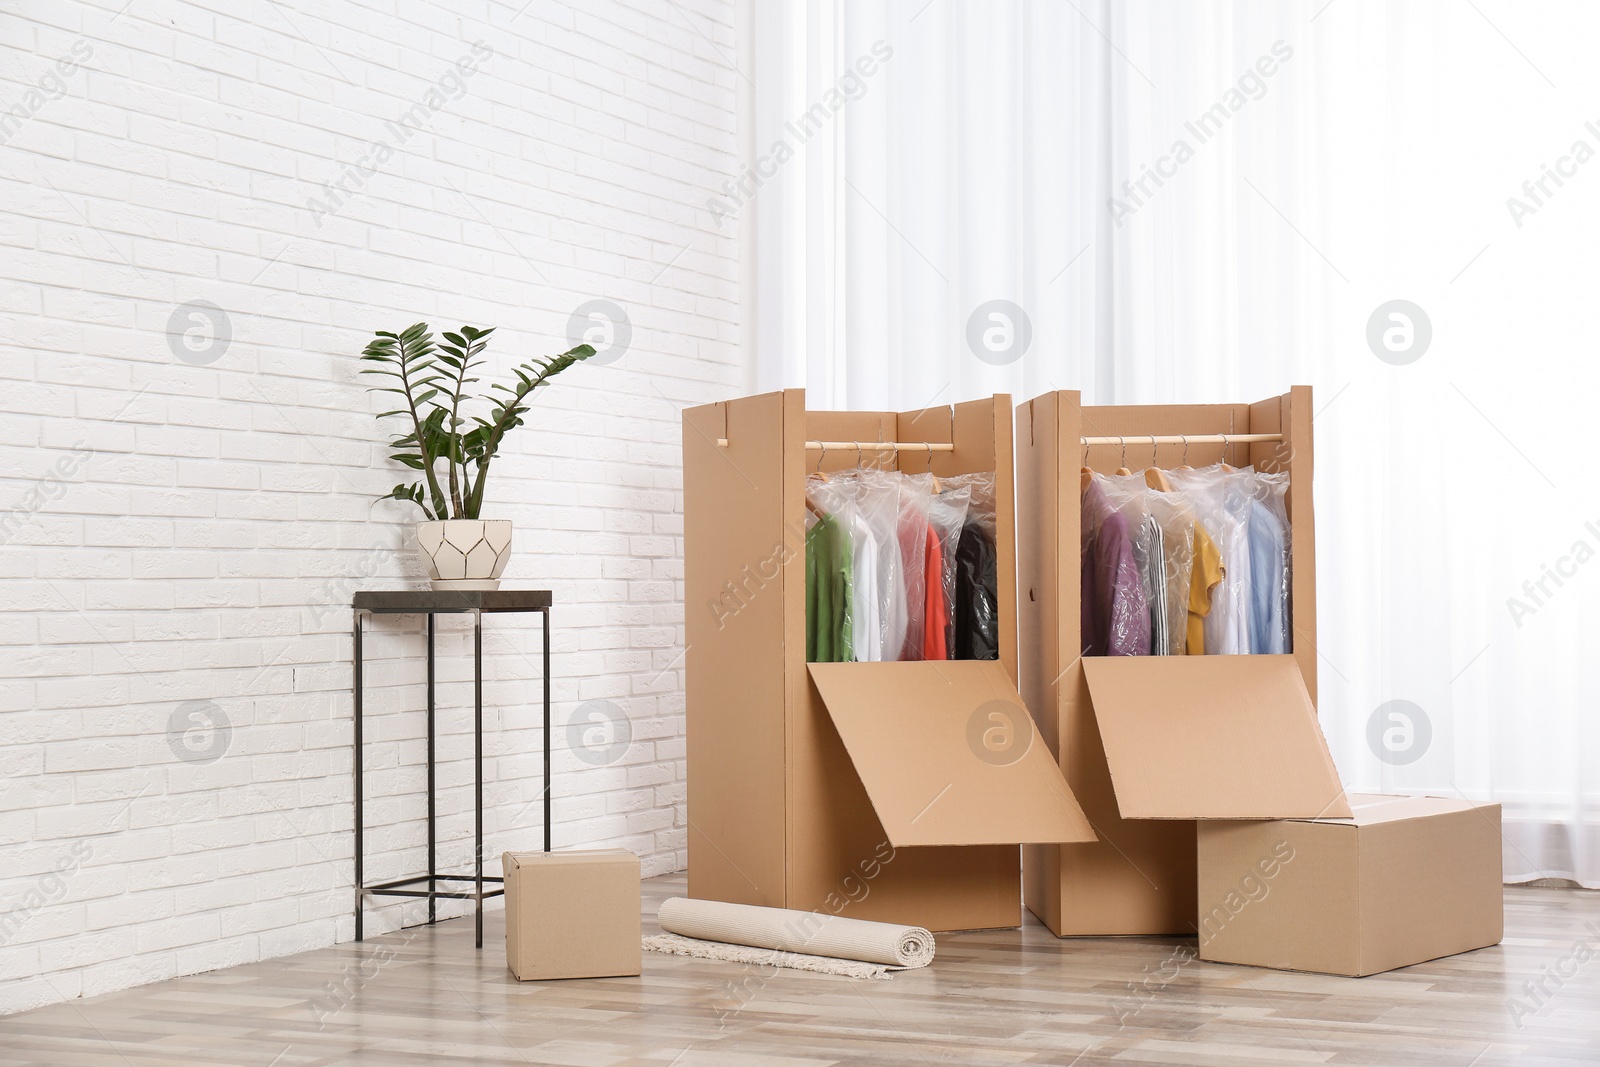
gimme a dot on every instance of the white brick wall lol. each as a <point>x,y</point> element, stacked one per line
<point>190,530</point>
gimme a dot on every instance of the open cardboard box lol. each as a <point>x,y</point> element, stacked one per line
<point>849,788</point>
<point>1195,770</point>
<point>1152,744</point>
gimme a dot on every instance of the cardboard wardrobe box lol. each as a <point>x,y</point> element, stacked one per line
<point>857,789</point>
<point>572,914</point>
<point>1151,744</point>
<point>1404,880</point>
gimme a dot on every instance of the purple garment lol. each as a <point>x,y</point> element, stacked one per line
<point>1114,613</point>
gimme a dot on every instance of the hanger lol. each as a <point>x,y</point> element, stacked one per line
<point>1154,476</point>
<point>810,505</point>
<point>1185,466</point>
<point>1225,468</point>
<point>1123,470</point>
<point>1085,472</point>
<point>937,488</point>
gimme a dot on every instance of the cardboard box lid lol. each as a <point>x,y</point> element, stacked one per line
<point>570,857</point>
<point>949,754</point>
<point>1371,809</point>
<point>1212,737</point>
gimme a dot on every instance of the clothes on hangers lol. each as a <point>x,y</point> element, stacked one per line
<point>1268,582</point>
<point>976,614</point>
<point>865,628</point>
<point>1151,556</point>
<point>1115,613</point>
<point>912,536</point>
<point>889,562</point>
<point>829,590</point>
<point>937,611</point>
<point>1211,556</point>
<point>1216,497</point>
<point>1228,624</point>
<point>947,514</point>
<point>1207,574</point>
<point>974,610</point>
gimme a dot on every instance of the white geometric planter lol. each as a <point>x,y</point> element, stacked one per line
<point>465,553</point>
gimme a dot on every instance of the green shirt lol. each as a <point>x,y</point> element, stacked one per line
<point>828,579</point>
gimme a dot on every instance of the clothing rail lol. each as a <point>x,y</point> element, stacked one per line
<point>1181,439</point>
<point>869,446</point>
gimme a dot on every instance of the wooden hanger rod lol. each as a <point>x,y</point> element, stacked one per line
<point>870,446</point>
<point>1174,439</point>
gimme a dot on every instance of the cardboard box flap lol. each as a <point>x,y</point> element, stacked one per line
<point>574,857</point>
<point>1370,809</point>
<point>1212,737</point>
<point>948,754</point>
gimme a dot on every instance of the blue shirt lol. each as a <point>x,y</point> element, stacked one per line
<point>1269,588</point>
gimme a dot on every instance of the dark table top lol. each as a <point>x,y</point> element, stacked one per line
<point>439,601</point>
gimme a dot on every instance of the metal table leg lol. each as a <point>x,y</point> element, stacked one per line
<point>356,763</point>
<point>547,787</point>
<point>433,836</point>
<point>477,731</point>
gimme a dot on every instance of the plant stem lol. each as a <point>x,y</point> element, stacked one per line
<point>455,436</point>
<point>422,443</point>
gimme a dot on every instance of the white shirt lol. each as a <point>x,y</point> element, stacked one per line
<point>866,627</point>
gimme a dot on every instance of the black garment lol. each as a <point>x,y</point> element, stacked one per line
<point>975,626</point>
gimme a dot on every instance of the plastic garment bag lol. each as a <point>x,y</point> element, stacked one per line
<point>867,503</point>
<point>830,576</point>
<point>1115,612</point>
<point>947,513</point>
<point>912,537</point>
<point>1163,548</point>
<point>881,508</point>
<point>975,610</point>
<point>1221,504</point>
<point>1268,525</point>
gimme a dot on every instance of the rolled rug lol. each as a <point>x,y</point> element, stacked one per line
<point>807,932</point>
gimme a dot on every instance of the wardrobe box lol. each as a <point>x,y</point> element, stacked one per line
<point>869,790</point>
<point>1151,744</point>
<point>572,914</point>
<point>1406,879</point>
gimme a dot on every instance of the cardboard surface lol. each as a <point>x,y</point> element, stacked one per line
<point>1405,880</point>
<point>572,914</point>
<point>948,754</point>
<point>1212,737</point>
<point>739,552</point>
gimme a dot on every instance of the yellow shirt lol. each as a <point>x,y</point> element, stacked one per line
<point>1206,574</point>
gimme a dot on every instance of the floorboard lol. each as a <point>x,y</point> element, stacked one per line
<point>426,997</point>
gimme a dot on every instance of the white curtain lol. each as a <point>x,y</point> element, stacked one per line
<point>1334,157</point>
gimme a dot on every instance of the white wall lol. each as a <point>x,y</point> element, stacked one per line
<point>182,522</point>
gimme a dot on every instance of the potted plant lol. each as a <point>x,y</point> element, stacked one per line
<point>463,551</point>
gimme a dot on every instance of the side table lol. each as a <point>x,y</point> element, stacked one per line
<point>432,603</point>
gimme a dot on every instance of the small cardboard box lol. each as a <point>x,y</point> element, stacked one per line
<point>572,914</point>
<point>1404,880</point>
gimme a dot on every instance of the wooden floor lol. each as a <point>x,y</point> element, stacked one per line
<point>998,997</point>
